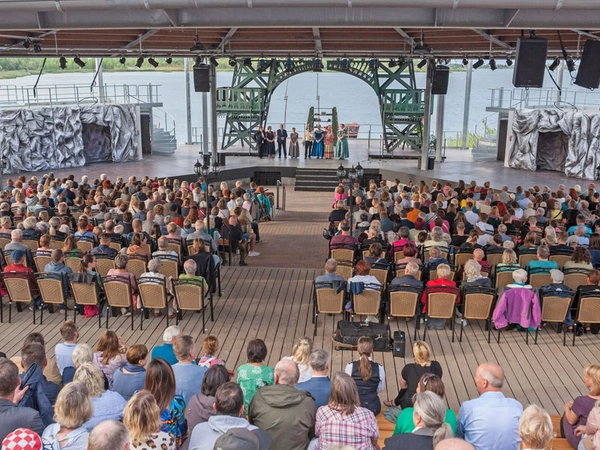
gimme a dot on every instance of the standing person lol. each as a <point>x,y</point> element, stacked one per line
<point>281,141</point>
<point>308,141</point>
<point>317,149</point>
<point>341,149</point>
<point>328,140</point>
<point>294,148</point>
<point>269,145</point>
<point>368,375</point>
<point>259,138</point>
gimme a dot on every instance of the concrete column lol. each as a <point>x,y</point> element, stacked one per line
<point>213,107</point>
<point>426,117</point>
<point>188,100</point>
<point>467,106</point>
<point>205,135</point>
<point>439,126</point>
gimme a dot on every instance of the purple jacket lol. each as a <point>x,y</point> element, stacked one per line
<point>518,305</point>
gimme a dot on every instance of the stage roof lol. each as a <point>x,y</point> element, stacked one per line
<point>298,28</point>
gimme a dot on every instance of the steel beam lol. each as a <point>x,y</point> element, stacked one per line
<point>492,38</point>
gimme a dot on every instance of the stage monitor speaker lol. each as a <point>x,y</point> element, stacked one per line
<point>439,84</point>
<point>202,78</point>
<point>530,62</point>
<point>588,75</point>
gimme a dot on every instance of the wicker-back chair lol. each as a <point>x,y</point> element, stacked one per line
<point>494,258</point>
<point>404,301</point>
<point>343,254</point>
<point>104,263</point>
<point>478,304</point>
<point>118,294</point>
<point>539,280</point>
<point>137,265</point>
<point>86,294</point>
<point>441,302</point>
<point>73,263</point>
<point>344,270</point>
<point>588,311</point>
<point>51,286</point>
<point>169,267</point>
<point>189,296</point>
<point>524,258</point>
<point>555,310</point>
<point>326,301</point>
<point>153,295</point>
<point>560,259</point>
<point>368,302</point>
<point>41,261</point>
<point>20,291</point>
<point>576,277</point>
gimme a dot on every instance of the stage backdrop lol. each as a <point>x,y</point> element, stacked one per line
<point>551,139</point>
<point>68,136</point>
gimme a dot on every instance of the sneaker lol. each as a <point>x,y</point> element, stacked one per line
<point>463,321</point>
<point>253,254</point>
<point>243,263</point>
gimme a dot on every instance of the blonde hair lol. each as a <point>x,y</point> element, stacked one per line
<point>535,427</point>
<point>73,405</point>
<point>81,354</point>
<point>509,257</point>
<point>593,373</point>
<point>93,378</point>
<point>421,352</point>
<point>472,269</point>
<point>302,350</point>
<point>141,416</point>
<point>443,271</point>
<point>365,348</point>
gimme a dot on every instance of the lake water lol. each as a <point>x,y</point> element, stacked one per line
<point>354,99</point>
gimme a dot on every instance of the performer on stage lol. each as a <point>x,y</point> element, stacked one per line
<point>294,148</point>
<point>329,138</point>
<point>269,146</point>
<point>259,138</point>
<point>281,140</point>
<point>317,150</point>
<point>308,141</point>
<point>341,149</point>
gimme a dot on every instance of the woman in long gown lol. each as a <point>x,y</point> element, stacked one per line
<point>329,138</point>
<point>318,145</point>
<point>341,149</point>
<point>270,143</point>
<point>294,148</point>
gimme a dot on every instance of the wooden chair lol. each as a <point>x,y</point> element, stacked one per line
<point>555,310</point>
<point>344,270</point>
<point>169,267</point>
<point>539,280</point>
<point>560,259</point>
<point>462,256</point>
<point>189,296</point>
<point>4,242</point>
<point>20,291</point>
<point>524,258</point>
<point>477,305</point>
<point>575,277</point>
<point>343,254</point>
<point>52,290</point>
<point>494,258</point>
<point>404,301</point>
<point>153,295</point>
<point>326,301</point>
<point>441,302</point>
<point>381,275</point>
<point>137,265</point>
<point>73,263</point>
<point>41,261</point>
<point>588,311</point>
<point>33,244</point>
<point>118,294</point>
<point>104,263</point>
<point>115,245</point>
<point>84,245</point>
<point>368,302</point>
<point>86,294</point>
<point>503,279</point>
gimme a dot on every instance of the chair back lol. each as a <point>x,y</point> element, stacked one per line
<point>441,302</point>
<point>84,246</point>
<point>73,263</point>
<point>539,280</point>
<point>137,266</point>
<point>560,259</point>
<point>368,302</point>
<point>115,245</point>
<point>190,250</point>
<point>381,275</point>
<point>8,258</point>
<point>478,303</point>
<point>104,264</point>
<point>555,309</point>
<point>433,275</point>
<point>51,288</point>
<point>153,292</point>
<point>18,286</point>
<point>41,261</point>
<point>169,268</point>
<point>118,291</point>
<point>503,279</point>
<point>404,300</point>
<point>189,294</point>
<point>525,258</point>
<point>575,278</point>
<point>589,308</point>
<point>33,244</point>
<point>55,243</point>
<point>494,258</point>
<point>4,242</point>
<point>173,246</point>
<point>462,257</point>
<point>85,294</point>
<point>342,254</point>
<point>328,301</point>
<point>344,270</point>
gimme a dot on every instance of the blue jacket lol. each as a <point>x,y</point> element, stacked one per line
<point>319,388</point>
<point>35,397</point>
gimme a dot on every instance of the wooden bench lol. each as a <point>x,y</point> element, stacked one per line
<point>386,429</point>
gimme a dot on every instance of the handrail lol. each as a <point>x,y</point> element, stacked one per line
<point>518,98</point>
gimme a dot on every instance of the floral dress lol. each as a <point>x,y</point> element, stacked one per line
<point>173,421</point>
<point>251,378</point>
<point>329,138</point>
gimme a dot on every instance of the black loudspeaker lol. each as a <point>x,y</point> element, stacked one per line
<point>202,78</point>
<point>439,83</point>
<point>530,62</point>
<point>588,75</point>
<point>399,348</point>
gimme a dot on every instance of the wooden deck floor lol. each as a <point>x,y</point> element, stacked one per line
<point>271,299</point>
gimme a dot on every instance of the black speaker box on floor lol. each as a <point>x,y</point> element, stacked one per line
<point>202,78</point>
<point>588,75</point>
<point>530,62</point>
<point>439,83</point>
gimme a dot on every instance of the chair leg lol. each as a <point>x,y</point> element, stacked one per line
<point>574,329</point>
<point>203,319</point>
<point>499,331</point>
<point>461,331</point>
<point>315,320</point>
<point>527,336</point>
<point>10,312</point>
<point>100,317</point>
<point>489,327</point>
<point>452,327</point>
<point>141,319</point>
<point>41,313</point>
<point>425,329</point>
<point>536,335</point>
<point>132,323</point>
<point>167,316</point>
<point>67,311</point>
<point>219,282</point>
<point>108,309</point>
<point>417,319</point>
<point>33,313</point>
<point>210,301</point>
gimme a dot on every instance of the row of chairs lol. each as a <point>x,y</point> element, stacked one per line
<point>189,295</point>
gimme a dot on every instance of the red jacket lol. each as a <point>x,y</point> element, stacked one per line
<point>438,282</point>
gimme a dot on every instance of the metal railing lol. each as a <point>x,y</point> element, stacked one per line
<point>502,98</point>
<point>283,196</point>
<point>68,94</point>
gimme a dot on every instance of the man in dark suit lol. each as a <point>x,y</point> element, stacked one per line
<point>281,141</point>
<point>12,416</point>
<point>319,386</point>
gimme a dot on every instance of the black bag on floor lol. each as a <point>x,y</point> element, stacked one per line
<point>347,334</point>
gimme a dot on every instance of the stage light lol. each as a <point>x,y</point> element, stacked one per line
<point>392,63</point>
<point>478,64</point>
<point>318,65</point>
<point>401,61</point>
<point>552,67</point>
<point>26,43</point>
<point>79,62</point>
<point>422,63</point>
<point>214,61</point>
<point>169,60</point>
<point>153,62</point>
<point>232,61</point>
<point>465,62</point>
<point>139,62</point>
<point>492,64</point>
<point>63,62</point>
<point>345,65</point>
<point>197,47</point>
<point>37,47</point>
<point>248,62</point>
<point>122,60</point>
<point>509,62</point>
<point>570,65</point>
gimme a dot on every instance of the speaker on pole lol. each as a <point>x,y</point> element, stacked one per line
<point>588,75</point>
<point>439,83</point>
<point>202,78</point>
<point>530,62</point>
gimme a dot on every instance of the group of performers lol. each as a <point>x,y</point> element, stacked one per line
<point>317,143</point>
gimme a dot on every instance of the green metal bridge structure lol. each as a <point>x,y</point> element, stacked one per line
<point>245,104</point>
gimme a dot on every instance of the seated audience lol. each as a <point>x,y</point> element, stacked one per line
<point>165,351</point>
<point>542,264</point>
<point>200,406</point>
<point>110,353</point>
<point>129,379</point>
<point>109,435</point>
<point>255,373</point>
<point>141,416</point>
<point>121,271</point>
<point>519,304</point>
<point>33,362</point>
<point>409,278</point>
<point>535,428</point>
<point>580,259</point>
<point>368,375</point>
<point>319,385</point>
<point>188,376</point>
<point>207,358</point>
<point>63,352</point>
<point>576,412</point>
<point>300,355</point>
<point>329,276</point>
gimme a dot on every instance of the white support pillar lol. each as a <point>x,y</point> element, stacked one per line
<point>426,117</point>
<point>213,107</point>
<point>439,126</point>
<point>467,106</point>
<point>188,100</point>
<point>100,80</point>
